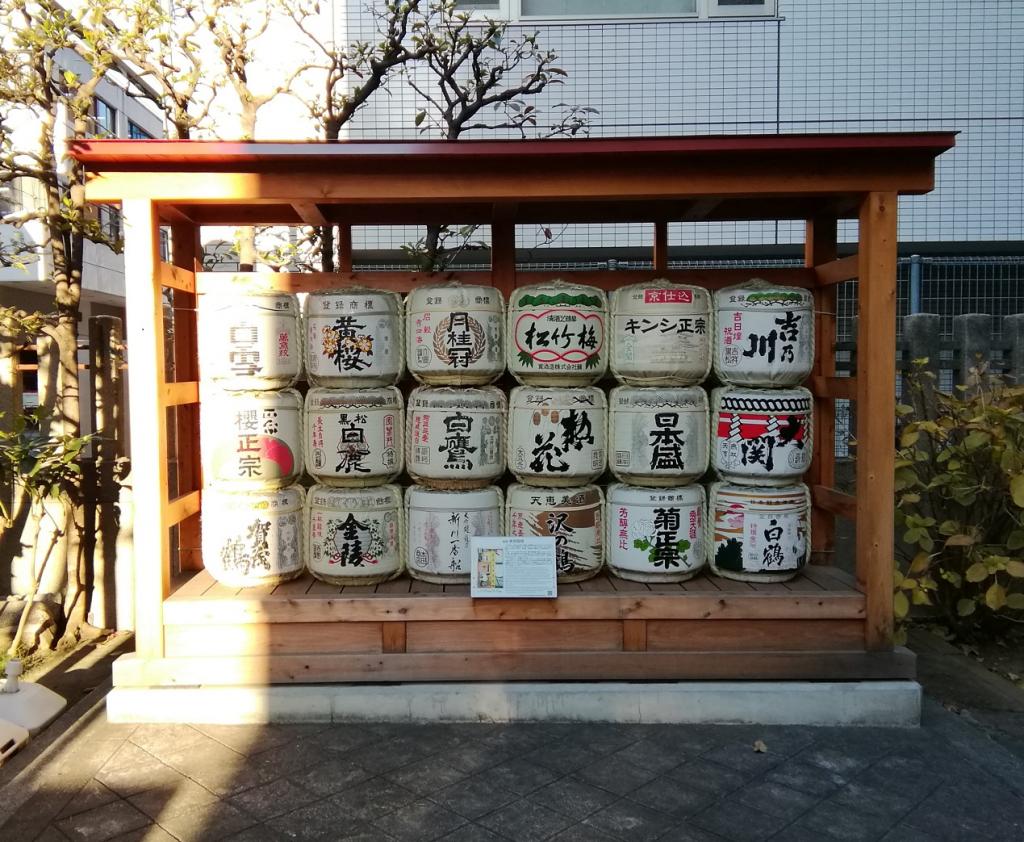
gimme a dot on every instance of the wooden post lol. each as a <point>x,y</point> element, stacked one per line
<point>187,252</point>
<point>820,247</point>
<point>503,255</point>
<point>876,417</point>
<point>344,248</point>
<point>145,334</point>
<point>660,246</point>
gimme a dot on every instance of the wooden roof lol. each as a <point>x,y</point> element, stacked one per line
<point>735,177</point>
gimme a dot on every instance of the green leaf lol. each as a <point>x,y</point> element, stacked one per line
<point>909,438</point>
<point>995,596</point>
<point>949,527</point>
<point>965,607</point>
<point>921,562</point>
<point>1015,601</point>
<point>977,572</point>
<point>976,439</point>
<point>1016,540</point>
<point>921,597</point>
<point>960,540</point>
<point>1017,490</point>
<point>901,605</point>
<point>420,117</point>
<point>1015,568</point>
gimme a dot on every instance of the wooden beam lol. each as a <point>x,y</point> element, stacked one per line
<point>699,209</point>
<point>876,414</point>
<point>310,213</point>
<point>344,248</point>
<point>393,637</point>
<point>634,635</point>
<point>177,277</point>
<point>145,335</point>
<point>836,271</point>
<point>503,256</point>
<point>834,502</point>
<point>174,215</point>
<point>832,388</point>
<point>180,394</point>
<point>660,247</point>
<point>182,507</point>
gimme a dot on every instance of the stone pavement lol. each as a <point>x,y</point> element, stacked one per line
<point>948,780</point>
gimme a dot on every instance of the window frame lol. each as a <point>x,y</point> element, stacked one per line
<point>136,132</point>
<point>101,129</point>
<point>706,10</point>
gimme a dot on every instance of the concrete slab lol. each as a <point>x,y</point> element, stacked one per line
<point>868,703</point>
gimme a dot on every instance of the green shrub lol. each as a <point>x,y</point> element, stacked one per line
<point>960,505</point>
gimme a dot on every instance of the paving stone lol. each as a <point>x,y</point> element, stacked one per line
<point>255,739</point>
<point>475,756</point>
<point>707,776</point>
<point>151,833</point>
<point>258,833</point>
<point>838,761</point>
<point>222,771</point>
<point>472,833</point>
<point>776,799</point>
<point>563,757</point>
<point>206,824</point>
<point>132,769</point>
<point>606,739</point>
<point>796,833</point>
<point>331,777</point>
<point>736,822</point>
<point>51,834</point>
<point>525,821</point>
<point>692,740</point>
<point>93,794</point>
<point>426,776</point>
<point>615,775</point>
<point>688,833</point>
<point>743,757</point>
<point>837,822</point>
<point>345,736</point>
<point>899,777</point>
<point>157,739</point>
<point>373,799</point>
<point>672,797</point>
<point>873,800</point>
<point>273,799</point>
<point>905,833</point>
<point>582,833</point>
<point>648,754</point>
<point>572,798</point>
<point>164,801</point>
<point>420,821</point>
<point>955,815</point>
<point>630,821</point>
<point>786,740</point>
<point>102,823</point>
<point>806,777</point>
<point>518,776</point>
<point>518,739</point>
<point>326,819</point>
<point>473,798</point>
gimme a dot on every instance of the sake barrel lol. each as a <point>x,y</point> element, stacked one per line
<point>557,437</point>
<point>456,437</point>
<point>354,535</point>
<point>557,334</point>
<point>439,525</point>
<point>655,534</point>
<point>572,516</point>
<point>455,334</point>
<point>764,334</point>
<point>761,436</point>
<point>758,534</point>
<point>354,437</point>
<point>252,538</point>
<point>661,334</point>
<point>354,338</point>
<point>250,340</point>
<point>658,435</point>
<point>252,440</point>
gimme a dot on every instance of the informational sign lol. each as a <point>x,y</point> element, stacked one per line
<point>513,567</point>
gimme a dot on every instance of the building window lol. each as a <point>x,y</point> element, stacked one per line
<point>104,119</point>
<point>136,132</point>
<point>109,219</point>
<point>588,10</point>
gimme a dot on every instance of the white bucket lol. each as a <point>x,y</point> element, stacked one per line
<point>762,436</point>
<point>661,334</point>
<point>557,437</point>
<point>655,534</point>
<point>572,516</point>
<point>455,334</point>
<point>764,334</point>
<point>253,538</point>
<point>658,435</point>
<point>439,525</point>
<point>557,334</point>
<point>354,338</point>
<point>354,535</point>
<point>354,437</point>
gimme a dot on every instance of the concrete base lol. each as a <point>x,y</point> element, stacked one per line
<point>877,703</point>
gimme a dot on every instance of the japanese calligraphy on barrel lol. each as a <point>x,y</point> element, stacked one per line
<point>764,334</point>
<point>658,436</point>
<point>572,516</point>
<point>655,534</point>
<point>252,440</point>
<point>249,341</point>
<point>758,534</point>
<point>557,437</point>
<point>557,334</point>
<point>661,334</point>
<point>455,334</point>
<point>761,436</point>
<point>456,437</point>
<point>354,338</point>
<point>252,538</point>
<point>354,437</point>
<point>439,525</point>
<point>354,535</point>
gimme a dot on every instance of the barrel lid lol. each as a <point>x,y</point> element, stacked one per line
<point>379,496</point>
<point>384,397</point>
<point>288,398</point>
<point>694,298</point>
<point>385,301</point>
<point>797,492</point>
<point>641,496</point>
<point>559,293</point>
<point>693,398</point>
<point>758,294</point>
<point>520,496</point>
<point>256,298</point>
<point>537,396</point>
<point>287,499</point>
<point>455,293</point>
<point>429,498</point>
<point>737,394</point>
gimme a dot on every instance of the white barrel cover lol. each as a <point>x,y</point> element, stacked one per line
<point>252,538</point>
<point>658,435</point>
<point>558,334</point>
<point>655,534</point>
<point>557,437</point>
<point>764,334</point>
<point>354,437</point>
<point>661,334</point>
<point>439,525</point>
<point>353,338</point>
<point>761,436</point>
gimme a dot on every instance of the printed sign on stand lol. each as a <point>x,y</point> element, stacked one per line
<point>513,567</point>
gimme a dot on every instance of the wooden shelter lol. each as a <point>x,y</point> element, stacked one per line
<point>823,625</point>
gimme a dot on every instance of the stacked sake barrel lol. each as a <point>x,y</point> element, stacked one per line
<point>455,426</point>
<point>557,439</point>
<point>354,435</point>
<point>761,423</point>
<point>658,431</point>
<point>250,357</point>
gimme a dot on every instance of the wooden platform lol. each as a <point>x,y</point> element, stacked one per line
<point>405,630</point>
